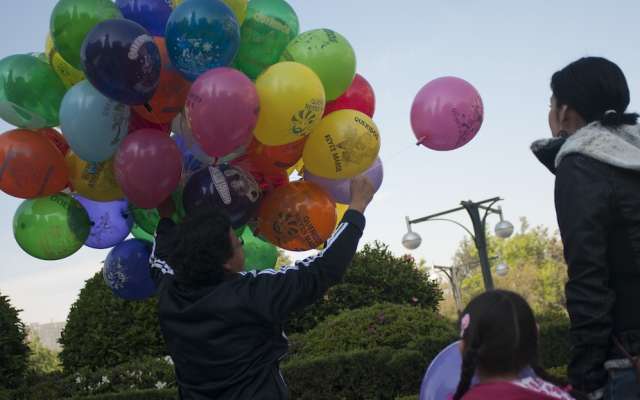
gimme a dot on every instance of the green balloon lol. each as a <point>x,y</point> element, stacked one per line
<point>146,219</point>
<point>30,92</point>
<point>141,234</point>
<point>329,55</point>
<point>72,20</point>
<point>51,228</point>
<point>258,254</point>
<point>269,26</point>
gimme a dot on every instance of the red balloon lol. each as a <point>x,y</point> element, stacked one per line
<point>267,176</point>
<point>148,166</point>
<point>137,123</point>
<point>359,96</point>
<point>56,138</point>
<point>284,156</point>
<point>30,165</point>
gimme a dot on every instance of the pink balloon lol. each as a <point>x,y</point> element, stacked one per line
<point>340,189</point>
<point>148,167</point>
<point>446,114</point>
<point>222,109</point>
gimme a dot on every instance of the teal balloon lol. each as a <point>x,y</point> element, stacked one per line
<point>93,125</point>
<point>30,92</point>
<point>258,254</point>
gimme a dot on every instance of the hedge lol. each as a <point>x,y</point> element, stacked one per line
<point>165,394</point>
<point>358,375</point>
<point>554,342</point>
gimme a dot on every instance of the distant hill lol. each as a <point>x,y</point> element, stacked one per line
<point>48,334</point>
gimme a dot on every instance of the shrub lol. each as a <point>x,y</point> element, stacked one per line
<point>554,339</point>
<point>14,352</point>
<point>104,331</point>
<point>382,373</point>
<point>168,394</point>
<point>374,276</point>
<point>382,325</point>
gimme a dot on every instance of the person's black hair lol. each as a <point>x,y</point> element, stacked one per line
<point>202,248</point>
<point>501,338</point>
<point>596,89</point>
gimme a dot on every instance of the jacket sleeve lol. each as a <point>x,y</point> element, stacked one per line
<point>273,295</point>
<point>163,244</point>
<point>584,209</point>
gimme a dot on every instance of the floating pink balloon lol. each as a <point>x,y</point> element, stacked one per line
<point>222,109</point>
<point>446,114</point>
<point>148,167</point>
<point>340,189</point>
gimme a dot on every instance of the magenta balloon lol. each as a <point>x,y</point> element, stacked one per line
<point>148,166</point>
<point>340,189</point>
<point>222,109</point>
<point>446,114</point>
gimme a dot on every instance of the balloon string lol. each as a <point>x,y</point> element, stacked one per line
<point>148,107</point>
<point>399,153</point>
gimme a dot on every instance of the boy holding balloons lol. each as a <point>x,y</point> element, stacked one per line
<point>222,325</point>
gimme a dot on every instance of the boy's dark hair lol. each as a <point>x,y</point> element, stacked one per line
<point>501,338</point>
<point>202,246</point>
<point>592,86</point>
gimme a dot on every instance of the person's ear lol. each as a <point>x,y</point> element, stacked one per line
<point>563,115</point>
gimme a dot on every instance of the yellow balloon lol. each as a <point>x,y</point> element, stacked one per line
<point>95,181</point>
<point>296,168</point>
<point>239,7</point>
<point>291,103</point>
<point>67,73</point>
<point>342,146</point>
<point>341,209</point>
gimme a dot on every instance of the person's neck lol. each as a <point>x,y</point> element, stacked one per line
<point>486,378</point>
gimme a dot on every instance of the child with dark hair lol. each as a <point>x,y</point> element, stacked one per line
<point>223,325</point>
<point>595,156</point>
<point>499,341</point>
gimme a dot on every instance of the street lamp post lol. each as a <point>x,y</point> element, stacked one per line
<point>504,229</point>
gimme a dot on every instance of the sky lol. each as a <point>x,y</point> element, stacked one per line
<point>506,49</point>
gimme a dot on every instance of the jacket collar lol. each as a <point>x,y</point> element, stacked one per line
<point>618,147</point>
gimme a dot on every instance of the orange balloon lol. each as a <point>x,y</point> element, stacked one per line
<point>171,94</point>
<point>284,156</point>
<point>56,138</point>
<point>30,165</point>
<point>299,216</point>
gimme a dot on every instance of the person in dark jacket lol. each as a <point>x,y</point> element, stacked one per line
<point>223,325</point>
<point>595,155</point>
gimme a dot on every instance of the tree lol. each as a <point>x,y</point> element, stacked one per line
<point>41,359</point>
<point>374,276</point>
<point>13,349</point>
<point>103,330</point>
<point>536,267</point>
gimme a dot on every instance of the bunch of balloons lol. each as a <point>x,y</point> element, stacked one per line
<point>214,103</point>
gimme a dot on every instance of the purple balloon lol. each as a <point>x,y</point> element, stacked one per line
<point>340,189</point>
<point>226,187</point>
<point>446,114</point>
<point>443,375</point>
<point>111,222</point>
<point>151,14</point>
<point>126,270</point>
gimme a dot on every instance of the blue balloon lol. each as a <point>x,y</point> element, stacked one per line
<point>111,222</point>
<point>126,270</point>
<point>92,124</point>
<point>151,14</point>
<point>122,61</point>
<point>190,163</point>
<point>201,35</point>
